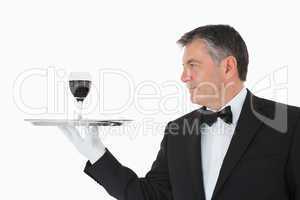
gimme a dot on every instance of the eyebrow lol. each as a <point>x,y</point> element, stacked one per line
<point>192,60</point>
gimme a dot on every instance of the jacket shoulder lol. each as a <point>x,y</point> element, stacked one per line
<point>271,104</point>
<point>185,116</point>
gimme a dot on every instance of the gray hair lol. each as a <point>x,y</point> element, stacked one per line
<point>221,41</point>
<point>217,53</point>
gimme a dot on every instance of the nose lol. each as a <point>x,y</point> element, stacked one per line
<point>186,76</point>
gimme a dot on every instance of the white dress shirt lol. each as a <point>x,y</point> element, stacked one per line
<point>215,141</point>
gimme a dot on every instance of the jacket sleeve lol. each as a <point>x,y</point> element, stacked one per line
<point>123,184</point>
<point>293,164</point>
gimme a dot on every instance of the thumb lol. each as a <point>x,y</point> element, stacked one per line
<point>65,131</point>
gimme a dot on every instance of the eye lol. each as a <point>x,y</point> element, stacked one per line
<point>193,65</point>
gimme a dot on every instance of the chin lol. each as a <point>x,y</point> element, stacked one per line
<point>195,101</point>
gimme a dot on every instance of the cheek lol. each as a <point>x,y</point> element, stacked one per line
<point>209,81</point>
<point>195,76</point>
<point>211,76</point>
<point>201,76</point>
<point>214,76</point>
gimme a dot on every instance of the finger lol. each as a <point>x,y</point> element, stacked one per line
<point>65,131</point>
<point>86,131</point>
<point>75,136</point>
<point>90,133</point>
<point>94,131</point>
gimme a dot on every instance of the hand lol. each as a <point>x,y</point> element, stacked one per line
<point>89,146</point>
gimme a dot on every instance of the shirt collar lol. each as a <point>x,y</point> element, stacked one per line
<point>236,104</point>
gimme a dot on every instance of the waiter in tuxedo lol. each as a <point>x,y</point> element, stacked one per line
<point>236,146</point>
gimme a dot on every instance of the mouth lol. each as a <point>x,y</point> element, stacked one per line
<point>191,90</point>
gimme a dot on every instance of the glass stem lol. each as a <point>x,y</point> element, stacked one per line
<point>79,116</point>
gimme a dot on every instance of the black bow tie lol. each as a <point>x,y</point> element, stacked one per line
<point>209,117</point>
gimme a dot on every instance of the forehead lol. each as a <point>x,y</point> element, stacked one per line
<point>196,50</point>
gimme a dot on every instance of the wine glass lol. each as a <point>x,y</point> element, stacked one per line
<point>80,83</point>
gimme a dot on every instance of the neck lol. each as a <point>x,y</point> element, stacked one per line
<point>225,94</point>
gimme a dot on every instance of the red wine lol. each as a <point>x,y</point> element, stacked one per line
<point>80,88</point>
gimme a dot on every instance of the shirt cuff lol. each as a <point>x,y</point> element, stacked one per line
<point>104,168</point>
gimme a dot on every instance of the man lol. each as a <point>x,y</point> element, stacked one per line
<point>236,146</point>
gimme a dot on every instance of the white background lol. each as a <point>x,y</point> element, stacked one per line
<point>137,38</point>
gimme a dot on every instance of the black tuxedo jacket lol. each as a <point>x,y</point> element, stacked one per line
<point>262,161</point>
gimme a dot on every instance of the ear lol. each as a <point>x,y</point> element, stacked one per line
<point>229,65</point>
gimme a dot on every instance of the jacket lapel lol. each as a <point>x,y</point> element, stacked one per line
<point>247,127</point>
<point>192,135</point>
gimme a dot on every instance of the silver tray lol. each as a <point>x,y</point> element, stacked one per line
<point>82,122</point>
